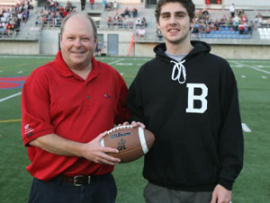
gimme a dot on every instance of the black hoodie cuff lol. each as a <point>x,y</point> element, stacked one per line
<point>226,183</point>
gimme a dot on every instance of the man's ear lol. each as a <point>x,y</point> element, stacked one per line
<point>158,26</point>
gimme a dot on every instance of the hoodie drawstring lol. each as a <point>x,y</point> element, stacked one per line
<point>178,70</point>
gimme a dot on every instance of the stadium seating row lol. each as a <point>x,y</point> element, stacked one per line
<point>264,33</point>
<point>225,36</point>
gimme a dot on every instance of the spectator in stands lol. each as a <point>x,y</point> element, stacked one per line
<point>37,21</point>
<point>244,17</point>
<point>134,13</point>
<point>126,13</point>
<point>241,27</point>
<point>108,6</point>
<point>143,22</point>
<point>83,4</point>
<point>92,2</point>
<point>232,10</point>
<point>222,21</point>
<point>116,16</point>
<point>141,32</point>
<point>205,15</point>
<point>2,29</point>
<point>9,29</point>
<point>250,27</point>
<point>236,21</point>
<point>195,28</point>
<point>104,3</point>
<point>120,22</point>
<point>69,6</point>
<point>159,34</point>
<point>110,22</point>
<point>19,18</point>
<point>25,15</point>
<point>115,5</point>
<point>138,22</point>
<point>258,20</point>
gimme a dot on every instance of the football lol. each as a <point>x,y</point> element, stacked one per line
<point>132,142</point>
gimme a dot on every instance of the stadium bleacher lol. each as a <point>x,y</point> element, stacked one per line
<point>36,25</point>
<point>264,33</point>
<point>53,19</point>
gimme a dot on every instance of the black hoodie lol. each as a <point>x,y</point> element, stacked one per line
<point>192,108</point>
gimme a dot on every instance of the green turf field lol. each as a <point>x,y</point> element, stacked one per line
<point>252,186</point>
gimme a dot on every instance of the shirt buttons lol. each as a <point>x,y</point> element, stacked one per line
<point>88,96</point>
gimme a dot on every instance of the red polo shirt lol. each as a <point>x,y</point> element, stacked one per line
<point>55,100</point>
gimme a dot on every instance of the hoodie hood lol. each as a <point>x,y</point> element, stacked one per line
<point>179,70</point>
<point>199,47</point>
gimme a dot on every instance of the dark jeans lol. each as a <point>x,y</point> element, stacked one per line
<point>157,194</point>
<point>103,190</point>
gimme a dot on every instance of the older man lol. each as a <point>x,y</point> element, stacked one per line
<point>67,104</point>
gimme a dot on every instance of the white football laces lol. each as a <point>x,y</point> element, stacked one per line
<point>119,128</point>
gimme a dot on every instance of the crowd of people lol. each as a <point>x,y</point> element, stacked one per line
<point>53,13</point>
<point>237,21</point>
<point>12,17</point>
<point>128,19</point>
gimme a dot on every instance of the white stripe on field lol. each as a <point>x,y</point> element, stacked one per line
<point>11,96</point>
<point>246,128</point>
<point>252,67</point>
<point>116,61</point>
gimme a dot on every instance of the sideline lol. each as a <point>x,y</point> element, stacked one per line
<point>11,96</point>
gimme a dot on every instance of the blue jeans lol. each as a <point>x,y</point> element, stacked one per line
<point>103,190</point>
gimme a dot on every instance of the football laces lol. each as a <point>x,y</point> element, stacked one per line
<point>119,128</point>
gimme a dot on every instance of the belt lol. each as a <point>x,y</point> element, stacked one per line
<point>80,179</point>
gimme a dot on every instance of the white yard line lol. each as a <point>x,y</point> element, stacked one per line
<point>246,128</point>
<point>11,96</point>
<point>116,61</point>
<point>252,67</point>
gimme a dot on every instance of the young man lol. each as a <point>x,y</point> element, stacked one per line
<point>188,98</point>
<point>67,105</point>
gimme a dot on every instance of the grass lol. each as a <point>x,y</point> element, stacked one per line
<point>252,186</point>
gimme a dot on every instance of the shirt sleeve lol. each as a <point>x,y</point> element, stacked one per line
<point>35,103</point>
<point>231,144</point>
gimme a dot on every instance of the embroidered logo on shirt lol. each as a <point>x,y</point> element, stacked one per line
<point>107,96</point>
<point>28,130</point>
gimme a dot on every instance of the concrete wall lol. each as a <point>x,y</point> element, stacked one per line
<point>23,47</point>
<point>124,41</point>
<point>225,51</point>
<point>48,45</point>
<point>242,51</point>
<point>49,41</point>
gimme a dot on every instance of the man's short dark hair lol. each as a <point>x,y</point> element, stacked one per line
<point>187,4</point>
<point>79,13</point>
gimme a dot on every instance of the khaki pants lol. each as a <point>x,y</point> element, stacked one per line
<point>156,194</point>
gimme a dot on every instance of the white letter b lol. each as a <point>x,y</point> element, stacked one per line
<point>192,97</point>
